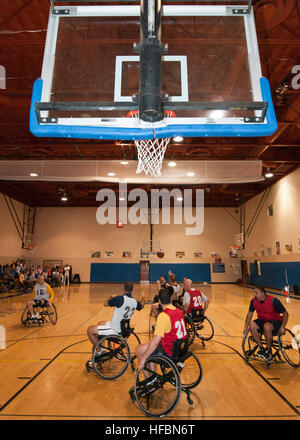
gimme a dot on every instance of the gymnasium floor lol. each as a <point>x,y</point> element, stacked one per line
<point>43,375</point>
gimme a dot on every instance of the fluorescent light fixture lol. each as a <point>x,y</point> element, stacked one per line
<point>217,114</point>
<point>172,164</point>
<point>64,198</point>
<point>124,162</point>
<point>111,174</point>
<point>179,199</point>
<point>33,174</point>
<point>190,174</point>
<point>122,198</point>
<point>269,174</point>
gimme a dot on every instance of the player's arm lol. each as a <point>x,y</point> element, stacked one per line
<point>285,317</point>
<point>248,320</point>
<point>142,301</point>
<point>51,293</point>
<point>186,302</point>
<point>206,304</point>
<point>33,292</point>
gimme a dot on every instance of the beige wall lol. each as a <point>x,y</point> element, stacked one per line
<point>72,234</point>
<point>284,226</point>
<point>10,242</point>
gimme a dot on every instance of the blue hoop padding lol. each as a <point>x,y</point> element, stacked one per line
<point>132,133</point>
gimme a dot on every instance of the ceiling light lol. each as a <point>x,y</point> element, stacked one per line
<point>64,198</point>
<point>217,114</point>
<point>111,174</point>
<point>190,174</point>
<point>179,199</point>
<point>268,174</point>
<point>178,139</point>
<point>122,198</point>
<point>33,174</point>
<point>172,164</point>
<point>124,162</point>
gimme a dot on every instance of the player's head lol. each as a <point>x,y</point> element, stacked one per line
<point>41,279</point>
<point>162,279</point>
<point>187,283</point>
<point>164,297</point>
<point>259,292</point>
<point>172,278</point>
<point>128,287</point>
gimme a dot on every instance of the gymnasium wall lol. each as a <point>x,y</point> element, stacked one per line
<point>10,242</point>
<point>283,227</point>
<point>73,234</point>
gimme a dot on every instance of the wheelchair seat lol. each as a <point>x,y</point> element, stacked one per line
<point>180,350</point>
<point>197,315</point>
<point>126,330</point>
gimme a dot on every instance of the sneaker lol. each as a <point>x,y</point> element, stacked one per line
<point>268,354</point>
<point>261,353</point>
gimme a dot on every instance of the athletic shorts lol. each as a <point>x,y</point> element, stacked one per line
<point>106,330</point>
<point>276,325</point>
<point>161,352</point>
<point>40,303</point>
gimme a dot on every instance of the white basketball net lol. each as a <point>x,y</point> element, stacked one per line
<point>151,152</point>
<point>150,155</point>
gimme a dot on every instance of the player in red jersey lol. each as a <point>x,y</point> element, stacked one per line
<point>170,326</point>
<point>193,298</point>
<point>272,318</point>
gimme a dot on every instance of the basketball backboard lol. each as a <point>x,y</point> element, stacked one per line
<point>211,73</point>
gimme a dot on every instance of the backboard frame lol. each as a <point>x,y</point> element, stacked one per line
<point>41,125</point>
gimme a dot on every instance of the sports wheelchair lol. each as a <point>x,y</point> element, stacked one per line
<point>199,325</point>
<point>113,353</point>
<point>284,348</point>
<point>159,394</point>
<point>48,314</point>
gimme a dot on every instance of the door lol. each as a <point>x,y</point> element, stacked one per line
<point>144,272</point>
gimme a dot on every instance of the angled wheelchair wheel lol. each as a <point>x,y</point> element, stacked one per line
<point>190,370</point>
<point>159,394</point>
<point>289,345</point>
<point>50,313</point>
<point>25,316</point>
<point>204,328</point>
<point>111,356</point>
<point>249,346</point>
<point>190,328</point>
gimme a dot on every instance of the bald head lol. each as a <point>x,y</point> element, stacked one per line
<point>188,283</point>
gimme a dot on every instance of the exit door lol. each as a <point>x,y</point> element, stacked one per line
<point>144,272</point>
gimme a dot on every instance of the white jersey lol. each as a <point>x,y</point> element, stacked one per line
<point>124,312</point>
<point>176,289</point>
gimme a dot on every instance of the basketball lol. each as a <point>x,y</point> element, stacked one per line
<point>160,254</point>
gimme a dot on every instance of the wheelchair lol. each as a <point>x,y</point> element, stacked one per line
<point>284,348</point>
<point>159,394</point>
<point>48,314</point>
<point>199,325</point>
<point>113,353</point>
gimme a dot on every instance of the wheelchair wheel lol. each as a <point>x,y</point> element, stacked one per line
<point>289,345</point>
<point>249,346</point>
<point>190,328</point>
<point>50,313</point>
<point>204,328</point>
<point>133,341</point>
<point>25,316</point>
<point>159,394</point>
<point>190,371</point>
<point>113,359</point>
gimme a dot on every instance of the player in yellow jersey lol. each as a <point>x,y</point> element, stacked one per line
<point>42,294</point>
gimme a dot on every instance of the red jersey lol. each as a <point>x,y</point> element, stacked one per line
<point>178,330</point>
<point>265,311</point>
<point>195,300</point>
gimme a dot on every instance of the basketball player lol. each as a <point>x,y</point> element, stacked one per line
<point>272,318</point>
<point>124,307</point>
<point>193,298</point>
<point>42,294</point>
<point>170,326</point>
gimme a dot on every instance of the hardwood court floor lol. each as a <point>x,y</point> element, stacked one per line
<point>43,375</point>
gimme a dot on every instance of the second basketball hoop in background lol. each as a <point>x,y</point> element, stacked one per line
<point>151,152</point>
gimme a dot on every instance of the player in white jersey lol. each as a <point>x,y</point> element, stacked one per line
<point>124,307</point>
<point>42,294</point>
